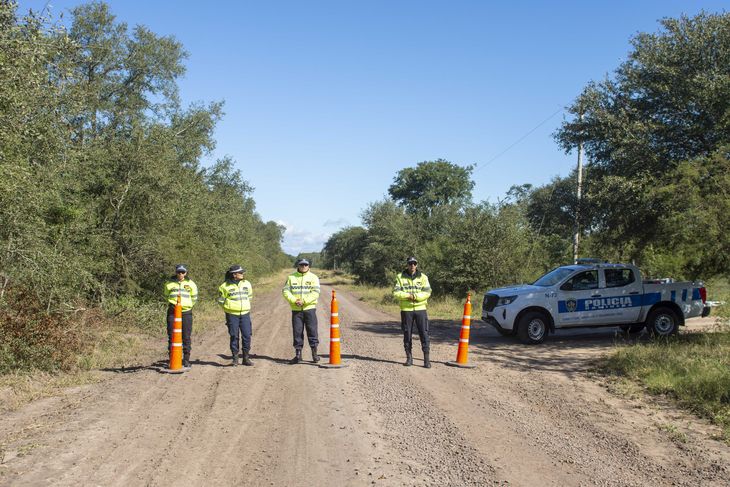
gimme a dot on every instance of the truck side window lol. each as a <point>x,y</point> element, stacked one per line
<point>619,277</point>
<point>581,281</point>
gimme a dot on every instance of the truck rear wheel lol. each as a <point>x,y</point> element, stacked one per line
<point>532,328</point>
<point>662,322</point>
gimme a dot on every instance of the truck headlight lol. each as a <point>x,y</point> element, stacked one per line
<point>505,300</point>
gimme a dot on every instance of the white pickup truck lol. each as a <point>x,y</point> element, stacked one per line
<point>591,295</point>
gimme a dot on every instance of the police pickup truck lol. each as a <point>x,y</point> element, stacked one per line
<point>591,295</point>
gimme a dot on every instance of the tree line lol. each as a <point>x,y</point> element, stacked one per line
<point>102,185</point>
<point>656,134</point>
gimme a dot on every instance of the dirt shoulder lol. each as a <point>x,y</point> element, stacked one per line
<point>524,416</point>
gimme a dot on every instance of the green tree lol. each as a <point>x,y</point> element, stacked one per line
<point>666,107</point>
<point>344,249</point>
<point>101,187</point>
<point>432,184</point>
<point>391,238</point>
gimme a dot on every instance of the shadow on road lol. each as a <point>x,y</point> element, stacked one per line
<point>566,351</point>
<point>255,356</point>
<point>136,368</point>
<point>367,359</point>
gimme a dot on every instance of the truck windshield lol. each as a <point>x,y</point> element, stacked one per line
<point>554,276</point>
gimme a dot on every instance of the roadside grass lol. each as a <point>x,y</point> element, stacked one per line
<point>41,355</point>
<point>691,368</point>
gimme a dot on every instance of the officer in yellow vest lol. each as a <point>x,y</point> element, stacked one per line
<point>235,297</point>
<point>412,291</point>
<point>180,284</point>
<point>301,292</point>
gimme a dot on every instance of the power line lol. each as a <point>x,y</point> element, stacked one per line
<point>479,166</point>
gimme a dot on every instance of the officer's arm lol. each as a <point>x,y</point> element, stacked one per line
<point>425,291</point>
<point>222,295</point>
<point>287,292</point>
<point>398,291</point>
<point>250,291</point>
<point>193,292</point>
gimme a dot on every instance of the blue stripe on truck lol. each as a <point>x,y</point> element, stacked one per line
<point>590,304</point>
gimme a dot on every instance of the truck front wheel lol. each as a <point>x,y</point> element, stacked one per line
<point>662,322</point>
<point>532,328</point>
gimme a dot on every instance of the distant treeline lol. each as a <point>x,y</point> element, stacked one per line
<point>101,184</point>
<point>656,184</point>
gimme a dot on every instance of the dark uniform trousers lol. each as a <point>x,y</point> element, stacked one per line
<point>236,324</point>
<point>407,321</point>
<point>301,320</point>
<point>187,328</point>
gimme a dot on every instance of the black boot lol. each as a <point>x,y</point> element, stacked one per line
<point>409,359</point>
<point>186,361</point>
<point>426,360</point>
<point>297,358</point>
<point>315,357</point>
<point>234,358</point>
<point>246,360</point>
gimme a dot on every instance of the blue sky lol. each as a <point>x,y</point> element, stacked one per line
<point>325,101</point>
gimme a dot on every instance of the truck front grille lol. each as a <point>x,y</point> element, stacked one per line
<point>490,302</point>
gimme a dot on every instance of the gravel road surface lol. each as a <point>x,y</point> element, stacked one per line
<point>525,416</point>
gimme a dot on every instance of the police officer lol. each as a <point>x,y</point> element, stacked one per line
<point>235,296</point>
<point>302,291</point>
<point>181,285</point>
<point>412,291</point>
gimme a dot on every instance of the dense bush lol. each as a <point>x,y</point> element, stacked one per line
<point>101,184</point>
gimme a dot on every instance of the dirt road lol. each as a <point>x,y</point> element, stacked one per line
<point>529,416</point>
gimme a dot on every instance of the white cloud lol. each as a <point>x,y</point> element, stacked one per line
<point>298,240</point>
<point>337,224</point>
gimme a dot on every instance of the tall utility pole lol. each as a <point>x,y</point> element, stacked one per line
<point>576,237</point>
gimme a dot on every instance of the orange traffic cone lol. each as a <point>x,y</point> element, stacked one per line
<point>335,359</point>
<point>176,352</point>
<point>463,353</point>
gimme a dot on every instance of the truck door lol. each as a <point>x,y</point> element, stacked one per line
<point>573,296</point>
<point>621,296</point>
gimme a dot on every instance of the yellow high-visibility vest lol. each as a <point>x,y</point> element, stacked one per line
<point>418,285</point>
<point>235,297</point>
<point>304,287</point>
<point>187,290</point>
